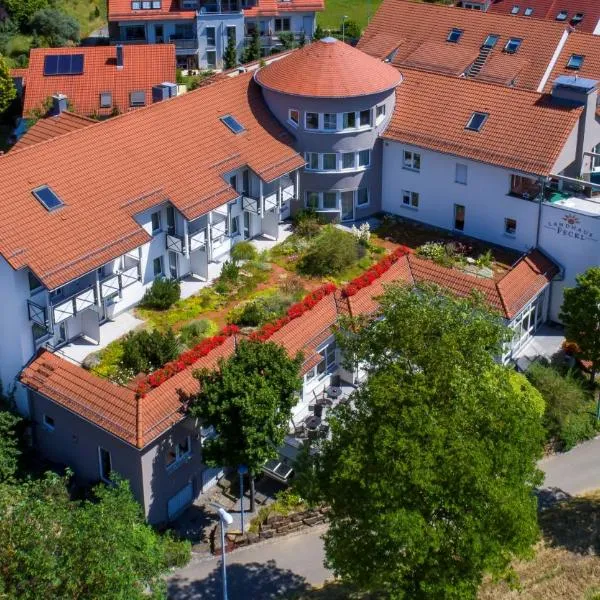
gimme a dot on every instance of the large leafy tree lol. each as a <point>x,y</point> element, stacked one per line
<point>580,314</point>
<point>430,475</point>
<point>22,10</point>
<point>54,28</point>
<point>248,400</point>
<point>7,88</point>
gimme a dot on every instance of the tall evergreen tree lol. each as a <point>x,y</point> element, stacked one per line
<point>230,58</point>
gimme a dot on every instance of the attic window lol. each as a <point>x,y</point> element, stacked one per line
<point>528,12</point>
<point>233,124</point>
<point>515,9</point>
<point>577,19</point>
<point>454,35</point>
<point>512,45</point>
<point>47,198</point>
<point>491,40</point>
<point>575,62</point>
<point>562,15</point>
<point>476,121</point>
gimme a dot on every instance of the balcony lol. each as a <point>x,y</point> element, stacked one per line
<point>198,240</point>
<point>184,43</point>
<point>272,39</point>
<point>176,243</point>
<point>578,195</point>
<point>63,309</point>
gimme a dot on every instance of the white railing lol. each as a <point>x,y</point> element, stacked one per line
<point>287,193</point>
<point>76,304</point>
<point>197,240</point>
<point>129,276</point>
<point>175,243</point>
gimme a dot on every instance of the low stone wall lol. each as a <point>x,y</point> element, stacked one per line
<point>274,526</point>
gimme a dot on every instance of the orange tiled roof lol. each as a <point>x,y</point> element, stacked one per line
<point>120,10</point>
<point>549,9</point>
<point>525,131</point>
<point>138,421</point>
<point>420,24</point>
<point>328,69</point>
<point>51,127</point>
<point>112,170</point>
<point>274,8</point>
<point>144,67</point>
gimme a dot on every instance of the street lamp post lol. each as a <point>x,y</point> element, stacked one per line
<point>344,28</point>
<point>226,519</point>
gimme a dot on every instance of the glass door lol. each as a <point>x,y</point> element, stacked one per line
<point>246,225</point>
<point>347,206</point>
<point>173,265</point>
<point>459,217</point>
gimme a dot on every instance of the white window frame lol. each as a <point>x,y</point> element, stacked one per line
<point>408,199</point>
<point>180,457</point>
<point>103,96</point>
<point>318,127</point>
<point>356,196</point>
<point>321,197</point>
<point>368,163</point>
<point>46,423</point>
<point>335,161</point>
<point>100,449</point>
<point>291,121</point>
<point>162,266</point>
<point>380,111</point>
<point>353,166</point>
<point>335,122</point>
<point>156,230</point>
<point>456,174</point>
<point>409,159</point>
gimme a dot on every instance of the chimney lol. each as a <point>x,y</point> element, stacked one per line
<point>120,63</point>
<point>59,104</point>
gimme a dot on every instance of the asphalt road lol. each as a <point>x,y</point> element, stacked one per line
<point>265,571</point>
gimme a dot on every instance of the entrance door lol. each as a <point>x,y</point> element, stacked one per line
<point>173,265</point>
<point>307,25</point>
<point>246,225</point>
<point>459,217</point>
<point>347,206</point>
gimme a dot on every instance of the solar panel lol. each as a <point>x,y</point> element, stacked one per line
<point>63,64</point>
<point>47,197</point>
<point>233,124</point>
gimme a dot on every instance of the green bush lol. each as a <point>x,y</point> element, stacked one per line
<point>162,295</point>
<point>230,272</point>
<point>437,252</point>
<point>330,253</point>
<point>191,333</point>
<point>54,28</point>
<point>145,351</point>
<point>243,251</point>
<point>307,223</point>
<point>568,416</point>
<point>252,314</point>
<point>261,310</point>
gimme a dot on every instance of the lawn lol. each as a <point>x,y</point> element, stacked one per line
<point>360,11</point>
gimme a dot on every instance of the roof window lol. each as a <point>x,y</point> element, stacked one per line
<point>575,62</point>
<point>577,19</point>
<point>233,124</point>
<point>562,15</point>
<point>515,9</point>
<point>47,198</point>
<point>512,45</point>
<point>491,40</point>
<point>454,35</point>
<point>63,64</point>
<point>476,121</point>
<point>528,11</point>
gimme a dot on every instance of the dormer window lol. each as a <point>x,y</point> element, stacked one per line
<point>454,35</point>
<point>477,121</point>
<point>562,15</point>
<point>575,62</point>
<point>515,10</point>
<point>512,45</point>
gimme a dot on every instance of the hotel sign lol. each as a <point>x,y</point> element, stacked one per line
<point>570,226</point>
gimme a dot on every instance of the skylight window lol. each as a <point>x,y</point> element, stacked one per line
<point>528,12</point>
<point>491,40</point>
<point>515,9</point>
<point>454,35</point>
<point>577,19</point>
<point>233,124</point>
<point>512,45</point>
<point>63,64</point>
<point>562,15</point>
<point>575,62</point>
<point>476,121</point>
<point>46,196</point>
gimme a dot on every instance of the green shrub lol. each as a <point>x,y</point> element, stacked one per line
<point>145,351</point>
<point>230,272</point>
<point>330,253</point>
<point>243,251</point>
<point>260,311</point>
<point>568,416</point>
<point>435,251</point>
<point>162,295</point>
<point>191,333</point>
<point>307,223</point>
<point>252,314</point>
<point>485,260</point>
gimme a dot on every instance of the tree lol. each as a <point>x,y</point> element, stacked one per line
<point>302,39</point>
<point>9,441</point>
<point>7,88</point>
<point>252,52</point>
<point>230,58</point>
<point>580,314</point>
<point>430,476</point>
<point>22,10</point>
<point>319,34</point>
<point>54,28</point>
<point>248,400</point>
<point>351,30</point>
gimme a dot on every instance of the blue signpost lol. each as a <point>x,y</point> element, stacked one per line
<point>242,470</point>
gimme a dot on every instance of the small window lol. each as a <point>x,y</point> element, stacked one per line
<point>330,121</point>
<point>491,40</point>
<point>330,200</point>
<point>211,36</point>
<point>34,283</point>
<point>412,160</point>
<point>365,118</point>
<point>48,423</point>
<point>476,121</point>
<point>157,266</point>
<point>312,120</point>
<point>459,217</point>
<point>312,200</point>
<point>348,160</point>
<point>105,464</point>
<point>510,227</point>
<point>364,158</point>
<point>575,62</point>
<point>137,99</point>
<point>410,199</point>
<point>49,200</point>
<point>105,100</point>
<point>329,162</point>
<point>577,19</point>
<point>310,375</point>
<point>562,15</point>
<point>155,217</point>
<point>349,120</point>
<point>515,9</point>
<point>454,35</point>
<point>235,226</point>
<point>294,117</point>
<point>380,113</point>
<point>312,161</point>
<point>528,12</point>
<point>461,174</point>
<point>512,45</point>
<point>233,124</point>
<point>362,197</point>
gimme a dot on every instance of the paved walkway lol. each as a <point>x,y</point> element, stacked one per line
<point>263,571</point>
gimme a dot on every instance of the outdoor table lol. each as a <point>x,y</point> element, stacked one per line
<point>334,392</point>
<point>313,422</point>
